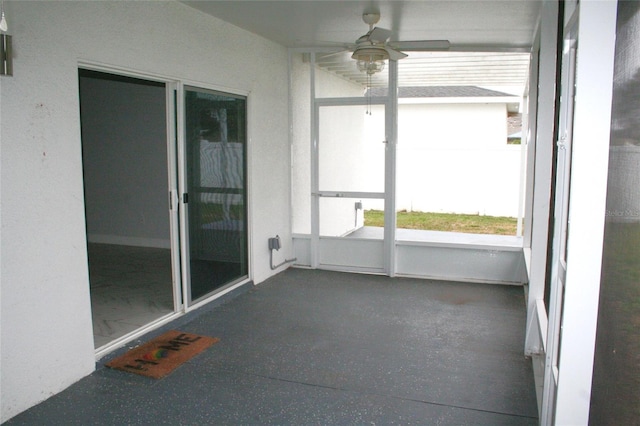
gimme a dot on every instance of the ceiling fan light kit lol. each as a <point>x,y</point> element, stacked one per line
<point>370,59</point>
<point>371,50</point>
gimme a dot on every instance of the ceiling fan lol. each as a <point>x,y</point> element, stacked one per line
<point>373,48</point>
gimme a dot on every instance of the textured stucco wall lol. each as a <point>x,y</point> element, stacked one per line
<point>47,341</point>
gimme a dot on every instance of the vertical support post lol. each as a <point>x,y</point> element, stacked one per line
<point>589,172</point>
<point>315,198</point>
<point>391,130</point>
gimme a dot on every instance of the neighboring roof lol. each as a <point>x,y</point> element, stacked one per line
<point>441,92</point>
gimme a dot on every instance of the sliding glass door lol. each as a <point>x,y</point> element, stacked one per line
<point>214,196</point>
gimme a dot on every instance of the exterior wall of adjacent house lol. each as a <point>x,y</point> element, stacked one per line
<point>453,157</point>
<point>47,339</point>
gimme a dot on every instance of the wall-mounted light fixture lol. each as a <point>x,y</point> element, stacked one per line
<point>6,62</point>
<point>3,20</point>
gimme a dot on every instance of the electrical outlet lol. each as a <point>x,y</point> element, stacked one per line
<point>274,243</point>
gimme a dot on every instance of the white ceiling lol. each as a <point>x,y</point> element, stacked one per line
<point>469,25</point>
<point>310,23</point>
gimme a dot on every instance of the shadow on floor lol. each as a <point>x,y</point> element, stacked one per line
<point>318,347</point>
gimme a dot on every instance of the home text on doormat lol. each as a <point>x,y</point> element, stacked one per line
<point>162,355</point>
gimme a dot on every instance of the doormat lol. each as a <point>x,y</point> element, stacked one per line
<point>162,355</point>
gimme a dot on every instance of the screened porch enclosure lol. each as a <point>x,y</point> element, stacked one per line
<point>446,139</point>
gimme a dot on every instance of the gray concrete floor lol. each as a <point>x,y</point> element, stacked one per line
<point>318,347</point>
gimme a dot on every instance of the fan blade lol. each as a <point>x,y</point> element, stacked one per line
<point>379,35</point>
<point>395,55</point>
<point>324,59</point>
<point>420,45</point>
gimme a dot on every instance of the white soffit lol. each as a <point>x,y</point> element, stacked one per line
<point>491,27</point>
<point>313,23</point>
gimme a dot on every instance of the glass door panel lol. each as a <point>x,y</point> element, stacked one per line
<point>215,199</point>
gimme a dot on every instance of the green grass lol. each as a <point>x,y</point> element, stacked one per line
<point>474,224</point>
<point>212,212</point>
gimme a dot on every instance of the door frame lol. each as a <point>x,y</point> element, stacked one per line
<point>174,88</point>
<point>390,103</point>
<point>561,222</point>
<point>180,172</point>
<point>317,193</point>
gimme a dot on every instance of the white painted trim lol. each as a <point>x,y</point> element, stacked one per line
<point>483,281</point>
<point>290,135</point>
<point>592,126</point>
<point>189,304</point>
<point>542,322</point>
<point>507,256</point>
<point>461,264</point>
<point>124,71</point>
<point>139,332</point>
<point>174,205</point>
<point>130,72</point>
<point>351,269</point>
<point>315,166</point>
<point>183,209</point>
<point>526,251</point>
<point>542,149</point>
<point>524,144</point>
<point>171,86</point>
<point>316,193</point>
<point>248,187</point>
<point>350,194</point>
<point>390,168</point>
<point>461,245</point>
<point>532,122</point>
<point>560,218</point>
<point>217,294</point>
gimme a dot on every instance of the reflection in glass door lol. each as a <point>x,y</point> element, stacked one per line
<point>214,202</point>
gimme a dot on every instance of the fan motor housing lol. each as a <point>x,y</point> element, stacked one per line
<point>370,18</point>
